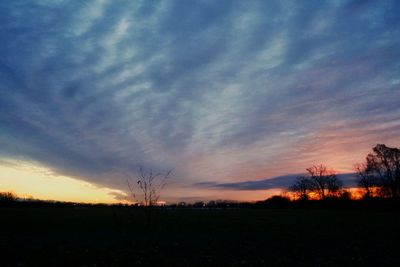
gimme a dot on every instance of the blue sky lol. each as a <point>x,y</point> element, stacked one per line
<point>218,91</point>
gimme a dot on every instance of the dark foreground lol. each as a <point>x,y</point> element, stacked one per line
<point>184,237</point>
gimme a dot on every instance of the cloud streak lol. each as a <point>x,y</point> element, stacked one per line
<point>281,182</point>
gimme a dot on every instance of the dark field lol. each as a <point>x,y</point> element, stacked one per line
<point>184,237</point>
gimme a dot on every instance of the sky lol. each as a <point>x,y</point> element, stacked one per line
<point>224,93</point>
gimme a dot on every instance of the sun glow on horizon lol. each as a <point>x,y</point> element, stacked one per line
<point>27,179</point>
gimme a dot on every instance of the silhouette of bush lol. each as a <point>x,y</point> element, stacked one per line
<point>8,197</point>
<point>275,202</point>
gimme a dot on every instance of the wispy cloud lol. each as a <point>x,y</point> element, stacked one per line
<point>216,90</point>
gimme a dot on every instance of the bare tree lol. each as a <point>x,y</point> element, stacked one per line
<point>301,187</point>
<point>150,185</point>
<point>324,181</point>
<point>319,180</point>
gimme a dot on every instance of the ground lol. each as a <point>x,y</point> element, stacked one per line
<point>106,236</point>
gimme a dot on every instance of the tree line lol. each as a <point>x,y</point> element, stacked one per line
<point>378,176</point>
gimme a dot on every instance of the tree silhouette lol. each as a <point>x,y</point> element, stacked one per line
<point>301,187</point>
<point>324,181</point>
<point>367,181</point>
<point>383,167</point>
<point>319,180</point>
<point>150,185</point>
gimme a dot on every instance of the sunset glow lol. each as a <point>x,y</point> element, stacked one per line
<point>33,181</point>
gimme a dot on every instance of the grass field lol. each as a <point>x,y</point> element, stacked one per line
<point>185,237</point>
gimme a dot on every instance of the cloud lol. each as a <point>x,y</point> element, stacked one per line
<point>216,90</point>
<point>280,182</point>
<point>120,197</point>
